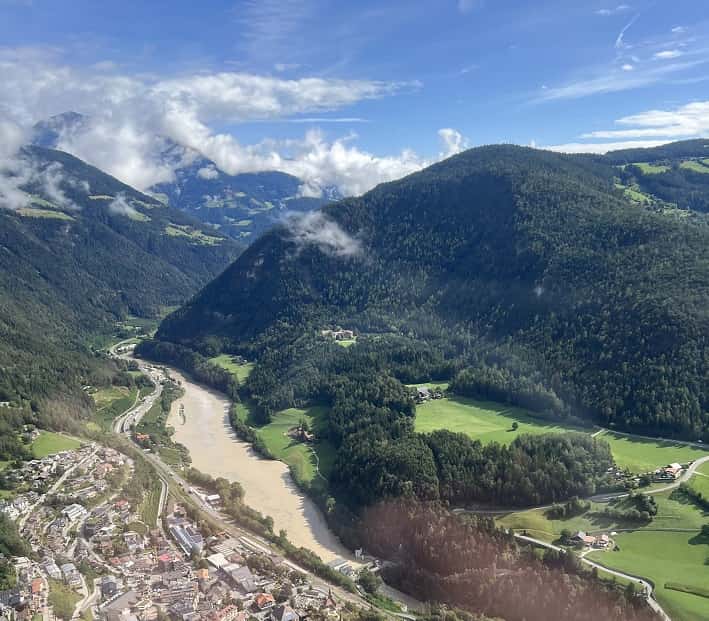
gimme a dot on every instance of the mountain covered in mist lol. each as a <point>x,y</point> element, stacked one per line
<point>544,269</point>
<point>241,206</point>
<point>81,250</point>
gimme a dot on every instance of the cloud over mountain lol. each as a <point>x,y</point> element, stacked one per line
<point>133,120</point>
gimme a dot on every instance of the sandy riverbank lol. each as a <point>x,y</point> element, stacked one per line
<point>216,450</point>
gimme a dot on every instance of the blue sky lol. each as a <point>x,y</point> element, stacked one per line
<point>549,73</point>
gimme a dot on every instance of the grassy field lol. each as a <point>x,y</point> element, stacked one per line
<point>62,599</point>
<point>482,420</point>
<point>442,386</point>
<point>661,556</point>
<point>700,480</point>
<point>196,236</point>
<point>488,421</point>
<point>695,166</point>
<point>634,194</point>
<point>665,557</point>
<point>148,509</point>
<point>242,371</point>
<point>640,455</point>
<point>112,402</point>
<point>49,443</point>
<point>651,169</point>
<point>31,212</point>
<point>536,523</point>
<point>673,511</point>
<point>297,455</point>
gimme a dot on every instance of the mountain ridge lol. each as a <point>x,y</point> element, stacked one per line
<point>537,259</point>
<point>80,252</point>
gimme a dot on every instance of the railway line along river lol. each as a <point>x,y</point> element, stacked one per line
<point>215,450</point>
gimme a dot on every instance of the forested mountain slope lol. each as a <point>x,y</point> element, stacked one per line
<point>83,251</point>
<point>671,176</point>
<point>530,263</point>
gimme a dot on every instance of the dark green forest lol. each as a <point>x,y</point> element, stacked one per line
<point>65,281</point>
<point>527,266</point>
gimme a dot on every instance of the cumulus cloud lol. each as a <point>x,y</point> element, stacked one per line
<point>208,172</point>
<point>119,206</point>
<point>315,228</point>
<point>134,120</point>
<point>646,129</point>
<point>685,121</point>
<point>453,141</point>
<point>20,175</point>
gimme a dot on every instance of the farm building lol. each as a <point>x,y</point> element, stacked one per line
<point>669,473</point>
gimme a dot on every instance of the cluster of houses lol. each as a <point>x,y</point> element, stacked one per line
<point>29,596</point>
<point>339,334</point>
<point>582,538</point>
<point>145,572</point>
<point>235,580</point>
<point>37,474</point>
<point>425,393</point>
<point>13,508</point>
<point>670,472</point>
<point>301,434</point>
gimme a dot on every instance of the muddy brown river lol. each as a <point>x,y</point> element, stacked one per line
<point>269,488</point>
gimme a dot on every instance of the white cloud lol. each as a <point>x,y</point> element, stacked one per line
<point>617,79</point>
<point>131,116</point>
<point>282,67</point>
<point>687,121</point>
<point>679,30</point>
<point>627,67</point>
<point>646,129</point>
<point>50,180</point>
<point>314,228</point>
<point>605,12</point>
<point>619,42</point>
<point>20,175</point>
<point>208,172</point>
<point>585,147</point>
<point>668,54</point>
<point>320,163</point>
<point>453,142</point>
<point>119,206</point>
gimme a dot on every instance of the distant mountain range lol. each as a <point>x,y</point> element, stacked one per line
<point>241,206</point>
<point>559,272</point>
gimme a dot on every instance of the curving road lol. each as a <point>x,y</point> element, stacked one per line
<point>169,477</point>
<point>683,478</point>
<point>132,416</point>
<point>648,588</point>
